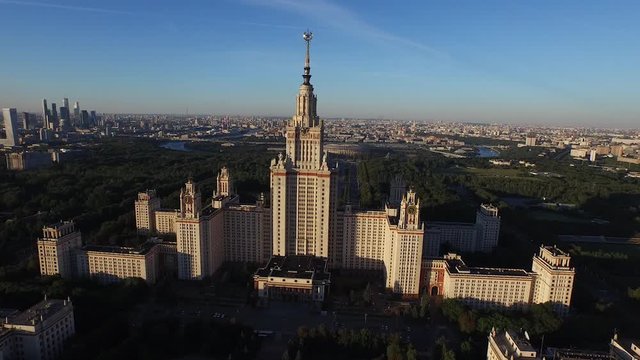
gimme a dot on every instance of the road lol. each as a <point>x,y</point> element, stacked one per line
<point>284,319</point>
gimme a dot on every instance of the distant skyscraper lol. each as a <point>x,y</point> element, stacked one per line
<point>54,116</point>
<point>76,112</point>
<point>92,118</point>
<point>84,118</point>
<point>64,113</point>
<point>65,102</point>
<point>45,134</point>
<point>25,120</point>
<point>10,127</point>
<point>45,109</point>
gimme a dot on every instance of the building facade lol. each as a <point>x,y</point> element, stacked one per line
<point>145,210</point>
<point>303,186</point>
<point>549,281</point>
<point>110,264</point>
<point>57,249</point>
<point>481,236</point>
<point>38,332</point>
<point>165,221</point>
<point>60,252</point>
<point>509,345</point>
<point>488,227</point>
<point>296,277</point>
<point>247,233</point>
<point>10,116</point>
<point>27,160</point>
<point>624,349</point>
<point>554,278</point>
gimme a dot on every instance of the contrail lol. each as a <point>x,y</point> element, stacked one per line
<point>64,7</point>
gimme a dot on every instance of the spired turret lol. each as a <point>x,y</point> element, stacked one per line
<point>305,133</point>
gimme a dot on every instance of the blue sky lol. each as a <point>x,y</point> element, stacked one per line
<point>560,62</point>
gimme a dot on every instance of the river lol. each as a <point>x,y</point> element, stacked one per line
<point>485,152</point>
<point>175,145</point>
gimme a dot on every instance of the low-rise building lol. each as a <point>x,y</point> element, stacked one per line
<point>296,277</point>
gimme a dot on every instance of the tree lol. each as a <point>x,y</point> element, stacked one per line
<point>352,296</point>
<point>412,353</point>
<point>634,293</point>
<point>366,295</point>
<point>447,354</point>
<point>424,305</point>
<point>467,322</point>
<point>466,349</point>
<point>394,351</point>
<point>452,309</point>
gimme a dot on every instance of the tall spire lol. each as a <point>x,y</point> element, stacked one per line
<point>307,36</point>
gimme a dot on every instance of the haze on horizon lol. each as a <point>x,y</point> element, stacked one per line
<point>546,62</point>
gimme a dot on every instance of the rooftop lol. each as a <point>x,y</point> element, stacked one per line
<point>511,345</point>
<point>457,266</point>
<point>38,312</point>
<point>573,354</point>
<point>296,266</point>
<point>555,251</point>
<point>141,250</point>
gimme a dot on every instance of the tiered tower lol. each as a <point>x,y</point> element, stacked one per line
<point>488,225</point>
<point>145,209</point>
<point>554,278</point>
<point>302,185</point>
<point>56,249</point>
<point>224,183</point>
<point>190,201</point>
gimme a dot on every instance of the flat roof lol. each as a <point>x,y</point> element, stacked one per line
<point>45,308</point>
<point>58,224</point>
<point>506,348</point>
<point>141,250</point>
<point>457,266</point>
<point>296,266</point>
<point>573,354</point>
<point>555,251</point>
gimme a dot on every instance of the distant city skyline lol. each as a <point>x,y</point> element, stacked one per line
<point>570,63</point>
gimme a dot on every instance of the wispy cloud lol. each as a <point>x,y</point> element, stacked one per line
<point>267,25</point>
<point>343,19</point>
<point>61,6</point>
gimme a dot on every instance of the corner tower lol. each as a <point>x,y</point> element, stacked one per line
<point>302,184</point>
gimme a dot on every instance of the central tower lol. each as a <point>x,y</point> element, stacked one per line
<point>305,132</point>
<point>302,184</point>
